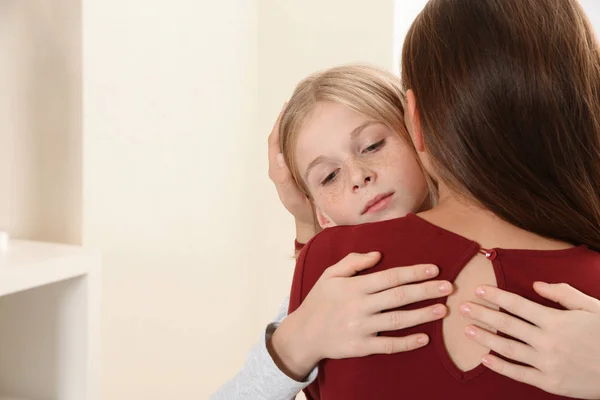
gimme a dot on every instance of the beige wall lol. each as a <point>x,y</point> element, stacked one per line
<point>40,119</point>
<point>169,122</point>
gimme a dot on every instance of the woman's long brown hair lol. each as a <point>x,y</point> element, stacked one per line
<point>508,95</point>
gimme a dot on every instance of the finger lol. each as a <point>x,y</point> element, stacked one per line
<point>502,322</point>
<point>528,375</point>
<point>274,135</point>
<point>515,304</point>
<point>407,294</point>
<point>394,320</point>
<point>567,296</point>
<point>393,277</point>
<point>508,348</point>
<point>352,264</point>
<point>273,143</point>
<point>392,345</point>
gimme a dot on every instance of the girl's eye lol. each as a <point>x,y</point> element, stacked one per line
<point>374,147</point>
<point>330,178</point>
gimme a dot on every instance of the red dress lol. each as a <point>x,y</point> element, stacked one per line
<point>429,372</point>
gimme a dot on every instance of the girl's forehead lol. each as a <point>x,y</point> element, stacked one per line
<point>328,116</point>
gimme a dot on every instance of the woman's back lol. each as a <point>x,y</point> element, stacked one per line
<point>449,366</point>
<point>490,232</point>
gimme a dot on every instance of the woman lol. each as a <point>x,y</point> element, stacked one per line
<point>546,376</point>
<point>502,104</point>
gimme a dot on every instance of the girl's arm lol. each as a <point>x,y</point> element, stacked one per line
<point>323,326</point>
<point>260,378</point>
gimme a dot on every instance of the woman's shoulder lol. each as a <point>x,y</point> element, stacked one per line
<point>379,228</point>
<point>578,266</point>
<point>332,244</point>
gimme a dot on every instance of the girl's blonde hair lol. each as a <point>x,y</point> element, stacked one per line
<point>368,90</point>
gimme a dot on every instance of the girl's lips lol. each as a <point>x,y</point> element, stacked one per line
<point>378,203</point>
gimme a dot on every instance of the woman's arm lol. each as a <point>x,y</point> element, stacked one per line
<point>288,191</point>
<point>562,346</point>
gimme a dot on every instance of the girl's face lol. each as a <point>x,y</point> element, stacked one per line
<point>357,170</point>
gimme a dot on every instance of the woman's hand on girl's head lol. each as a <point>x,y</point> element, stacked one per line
<point>343,313</point>
<point>289,193</point>
<point>561,346</point>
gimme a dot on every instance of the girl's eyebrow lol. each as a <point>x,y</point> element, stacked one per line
<point>313,164</point>
<point>356,131</point>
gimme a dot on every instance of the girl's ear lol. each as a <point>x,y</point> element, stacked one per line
<point>323,219</point>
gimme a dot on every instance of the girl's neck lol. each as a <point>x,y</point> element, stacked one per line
<point>466,217</point>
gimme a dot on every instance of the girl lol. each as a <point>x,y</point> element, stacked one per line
<point>358,122</point>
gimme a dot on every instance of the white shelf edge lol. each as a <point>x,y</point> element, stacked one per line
<point>11,398</point>
<point>31,269</point>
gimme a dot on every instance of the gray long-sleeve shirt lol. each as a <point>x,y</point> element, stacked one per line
<point>260,378</point>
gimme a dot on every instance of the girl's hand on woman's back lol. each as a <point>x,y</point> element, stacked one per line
<point>343,313</point>
<point>561,346</point>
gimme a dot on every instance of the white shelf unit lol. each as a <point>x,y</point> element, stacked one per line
<point>49,322</point>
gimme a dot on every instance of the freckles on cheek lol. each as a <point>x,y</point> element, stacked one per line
<point>325,198</point>
<point>388,162</point>
<point>330,200</point>
<point>402,160</point>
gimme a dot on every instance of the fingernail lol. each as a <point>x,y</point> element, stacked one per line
<point>470,332</point>
<point>280,160</point>
<point>372,254</point>
<point>485,360</point>
<point>541,285</point>
<point>465,309</point>
<point>480,292</point>
<point>444,287</point>
<point>432,270</point>
<point>439,310</point>
<point>423,340</point>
